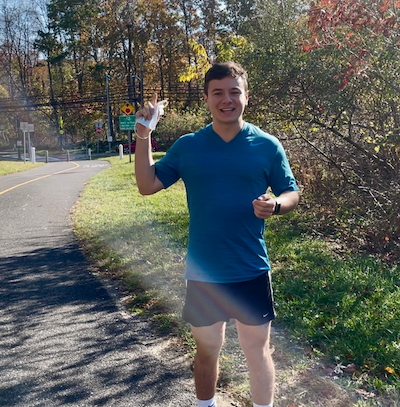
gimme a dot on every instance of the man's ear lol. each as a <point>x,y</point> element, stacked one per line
<point>247,98</point>
<point>205,97</point>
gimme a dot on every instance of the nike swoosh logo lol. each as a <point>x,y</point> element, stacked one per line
<point>256,143</point>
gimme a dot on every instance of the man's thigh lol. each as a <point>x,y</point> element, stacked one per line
<point>254,337</point>
<point>209,337</point>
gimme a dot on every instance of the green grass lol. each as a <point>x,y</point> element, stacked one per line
<point>134,236</point>
<point>10,167</point>
<point>346,307</point>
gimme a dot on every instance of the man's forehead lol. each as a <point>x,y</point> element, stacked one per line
<point>229,82</point>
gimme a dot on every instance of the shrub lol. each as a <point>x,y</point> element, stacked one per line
<point>175,124</point>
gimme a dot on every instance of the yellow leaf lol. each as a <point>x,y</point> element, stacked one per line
<point>377,148</point>
<point>202,66</point>
<point>389,369</point>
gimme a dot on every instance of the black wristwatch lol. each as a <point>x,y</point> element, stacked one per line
<point>277,209</point>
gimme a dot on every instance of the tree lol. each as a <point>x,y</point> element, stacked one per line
<point>359,43</point>
<point>17,29</point>
<point>239,14</point>
<point>18,59</point>
<point>198,69</point>
<point>74,22</point>
<point>328,80</point>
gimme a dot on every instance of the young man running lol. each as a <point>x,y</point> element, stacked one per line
<point>227,168</point>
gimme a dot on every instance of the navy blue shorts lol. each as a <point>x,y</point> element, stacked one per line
<point>249,302</point>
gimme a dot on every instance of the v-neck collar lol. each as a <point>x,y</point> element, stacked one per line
<point>215,134</point>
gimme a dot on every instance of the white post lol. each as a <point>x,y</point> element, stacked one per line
<point>30,127</point>
<point>121,151</point>
<point>90,153</point>
<point>29,145</point>
<point>33,158</point>
<point>24,148</point>
<point>24,127</point>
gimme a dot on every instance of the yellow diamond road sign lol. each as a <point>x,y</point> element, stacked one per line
<point>127,108</point>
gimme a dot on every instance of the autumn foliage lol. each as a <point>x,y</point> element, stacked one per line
<point>352,26</point>
<point>323,78</point>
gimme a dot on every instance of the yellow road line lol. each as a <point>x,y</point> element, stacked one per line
<point>37,179</point>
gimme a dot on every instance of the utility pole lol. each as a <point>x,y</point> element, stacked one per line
<point>130,84</point>
<point>141,79</point>
<point>108,111</point>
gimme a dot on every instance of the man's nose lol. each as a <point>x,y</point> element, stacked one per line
<point>227,97</point>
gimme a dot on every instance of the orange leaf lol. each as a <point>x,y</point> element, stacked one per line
<point>344,84</point>
<point>385,6</point>
<point>397,4</point>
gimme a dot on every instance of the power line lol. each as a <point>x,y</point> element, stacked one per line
<point>36,102</point>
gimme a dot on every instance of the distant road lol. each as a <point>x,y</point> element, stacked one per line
<point>64,340</point>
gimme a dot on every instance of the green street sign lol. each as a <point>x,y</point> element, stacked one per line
<point>127,122</point>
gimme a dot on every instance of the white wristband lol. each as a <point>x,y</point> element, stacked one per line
<point>141,138</point>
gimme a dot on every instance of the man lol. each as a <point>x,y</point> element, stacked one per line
<point>227,168</point>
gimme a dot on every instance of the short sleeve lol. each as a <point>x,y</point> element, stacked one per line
<point>167,169</point>
<point>281,175</point>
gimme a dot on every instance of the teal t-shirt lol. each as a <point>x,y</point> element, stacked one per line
<point>226,239</point>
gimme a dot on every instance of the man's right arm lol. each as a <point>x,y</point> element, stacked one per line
<point>146,178</point>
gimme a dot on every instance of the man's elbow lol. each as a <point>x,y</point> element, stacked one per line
<point>149,188</point>
<point>296,199</point>
<point>145,190</point>
<point>295,196</point>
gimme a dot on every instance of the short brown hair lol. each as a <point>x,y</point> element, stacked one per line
<point>221,70</point>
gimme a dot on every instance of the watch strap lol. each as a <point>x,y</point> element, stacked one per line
<point>277,209</point>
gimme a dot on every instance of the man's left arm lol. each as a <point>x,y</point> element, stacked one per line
<point>266,205</point>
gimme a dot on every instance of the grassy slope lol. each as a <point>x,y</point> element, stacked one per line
<point>9,167</point>
<point>347,310</point>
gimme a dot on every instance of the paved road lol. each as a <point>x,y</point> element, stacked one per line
<point>64,340</point>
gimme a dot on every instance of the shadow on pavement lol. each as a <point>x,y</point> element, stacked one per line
<point>64,342</point>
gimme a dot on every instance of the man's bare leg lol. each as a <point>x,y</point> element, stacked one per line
<point>209,340</point>
<point>255,342</point>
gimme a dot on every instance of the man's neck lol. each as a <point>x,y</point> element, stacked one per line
<point>228,131</point>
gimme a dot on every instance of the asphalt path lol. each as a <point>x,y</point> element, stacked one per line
<point>64,338</point>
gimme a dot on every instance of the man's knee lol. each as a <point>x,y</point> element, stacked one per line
<point>254,340</point>
<point>209,339</point>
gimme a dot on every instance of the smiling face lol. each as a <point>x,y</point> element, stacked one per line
<point>227,98</point>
